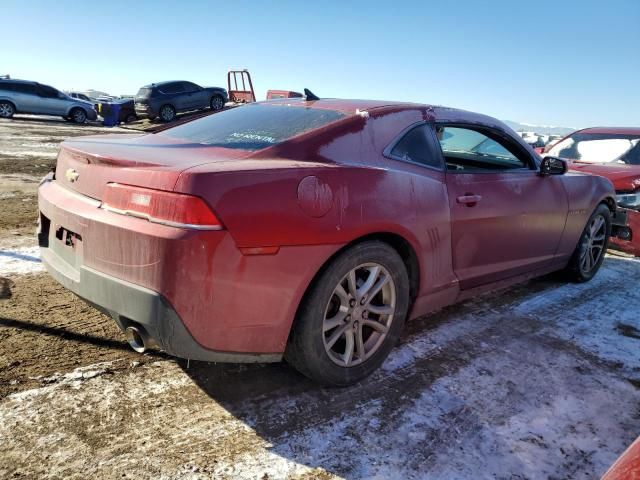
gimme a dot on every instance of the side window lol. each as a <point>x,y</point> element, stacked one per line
<point>25,88</point>
<point>190,87</point>
<point>469,150</point>
<point>416,147</point>
<point>175,87</point>
<point>47,91</point>
<point>7,86</point>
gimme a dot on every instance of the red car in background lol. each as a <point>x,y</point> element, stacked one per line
<point>310,229</point>
<point>613,153</point>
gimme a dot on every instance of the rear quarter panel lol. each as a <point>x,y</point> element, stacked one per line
<point>331,191</point>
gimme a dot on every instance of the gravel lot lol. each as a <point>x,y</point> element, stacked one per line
<point>538,381</point>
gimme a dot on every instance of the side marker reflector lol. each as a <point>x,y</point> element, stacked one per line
<point>259,250</point>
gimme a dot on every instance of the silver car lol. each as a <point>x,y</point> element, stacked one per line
<point>22,96</point>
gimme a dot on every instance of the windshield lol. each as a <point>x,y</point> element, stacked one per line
<point>254,126</point>
<point>144,92</point>
<point>599,148</point>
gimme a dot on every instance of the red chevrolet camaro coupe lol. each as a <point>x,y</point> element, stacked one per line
<point>310,230</point>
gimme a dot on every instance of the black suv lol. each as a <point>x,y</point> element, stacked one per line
<point>165,99</point>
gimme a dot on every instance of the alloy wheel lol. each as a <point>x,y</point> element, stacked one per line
<point>6,110</point>
<point>167,113</point>
<point>593,243</point>
<point>79,116</point>
<point>359,314</point>
<point>217,103</point>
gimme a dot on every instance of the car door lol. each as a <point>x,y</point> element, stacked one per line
<point>418,157</point>
<point>27,101</point>
<point>52,102</point>
<point>175,96</point>
<point>506,219</point>
<point>194,96</point>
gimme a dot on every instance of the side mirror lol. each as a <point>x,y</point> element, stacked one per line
<point>553,166</point>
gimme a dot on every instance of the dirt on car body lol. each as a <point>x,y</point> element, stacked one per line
<point>537,381</point>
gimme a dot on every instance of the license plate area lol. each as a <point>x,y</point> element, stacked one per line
<point>66,244</point>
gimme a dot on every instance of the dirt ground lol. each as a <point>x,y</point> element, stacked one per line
<point>538,381</point>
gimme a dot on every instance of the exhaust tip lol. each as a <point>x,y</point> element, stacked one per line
<point>135,339</point>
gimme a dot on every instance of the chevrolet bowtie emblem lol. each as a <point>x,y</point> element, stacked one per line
<point>71,175</point>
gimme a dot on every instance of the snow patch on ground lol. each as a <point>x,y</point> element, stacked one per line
<point>503,386</point>
<point>606,325</point>
<point>20,261</point>
<point>35,153</point>
<point>507,413</point>
<point>72,379</point>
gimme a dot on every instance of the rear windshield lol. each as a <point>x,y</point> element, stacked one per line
<point>254,126</point>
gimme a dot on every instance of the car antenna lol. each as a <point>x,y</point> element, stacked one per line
<point>310,95</point>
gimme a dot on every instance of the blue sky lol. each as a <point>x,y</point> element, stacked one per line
<point>570,63</point>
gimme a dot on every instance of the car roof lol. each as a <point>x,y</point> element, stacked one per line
<point>342,105</point>
<point>166,82</point>
<point>612,130</point>
<point>438,113</point>
<point>15,80</point>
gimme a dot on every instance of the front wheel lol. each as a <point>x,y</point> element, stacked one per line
<point>217,103</point>
<point>352,316</point>
<point>78,115</point>
<point>589,253</point>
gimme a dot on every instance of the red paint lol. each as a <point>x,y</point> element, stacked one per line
<point>630,246</point>
<point>288,208</point>
<point>627,467</point>
<point>625,178</point>
<point>240,86</point>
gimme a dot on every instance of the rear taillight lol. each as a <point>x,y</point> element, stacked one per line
<point>158,206</point>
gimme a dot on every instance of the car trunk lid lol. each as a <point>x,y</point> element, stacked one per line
<point>87,164</point>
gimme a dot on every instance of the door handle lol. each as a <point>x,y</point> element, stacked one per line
<point>469,199</point>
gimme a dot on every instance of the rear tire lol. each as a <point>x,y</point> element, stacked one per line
<point>6,109</point>
<point>130,118</point>
<point>167,113</point>
<point>78,115</point>
<point>589,253</point>
<point>352,316</point>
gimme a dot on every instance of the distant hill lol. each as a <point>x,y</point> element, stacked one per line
<point>541,129</point>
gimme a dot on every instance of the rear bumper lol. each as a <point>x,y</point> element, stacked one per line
<point>197,295</point>
<point>132,305</point>
<point>627,228</point>
<point>145,110</point>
